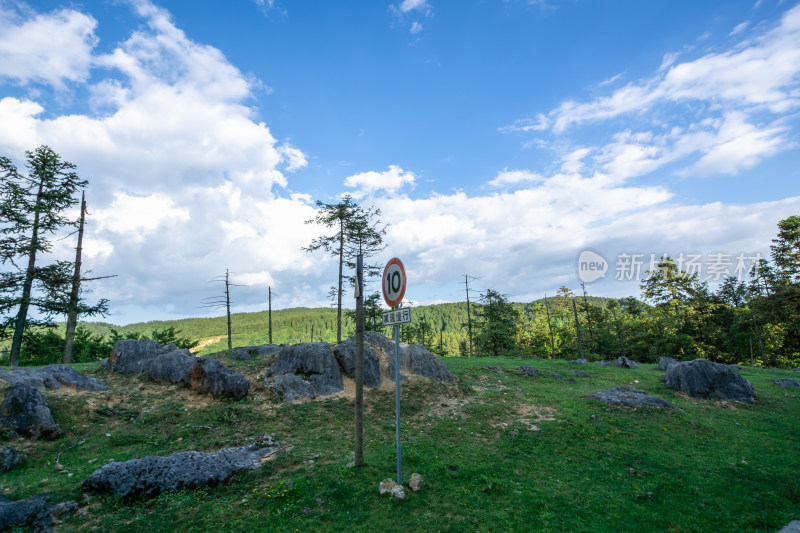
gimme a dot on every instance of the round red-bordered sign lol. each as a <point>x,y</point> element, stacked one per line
<point>394,282</point>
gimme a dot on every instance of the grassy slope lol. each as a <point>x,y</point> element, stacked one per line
<point>709,466</point>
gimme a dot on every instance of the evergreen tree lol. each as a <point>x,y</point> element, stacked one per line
<point>497,325</point>
<point>357,230</point>
<point>31,211</point>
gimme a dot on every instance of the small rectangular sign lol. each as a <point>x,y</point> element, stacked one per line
<point>397,316</point>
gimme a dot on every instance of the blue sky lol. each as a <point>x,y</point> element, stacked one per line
<point>500,139</point>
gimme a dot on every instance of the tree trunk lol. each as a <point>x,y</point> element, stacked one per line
<point>577,328</point>
<point>22,315</point>
<point>270,315</point>
<point>359,459</point>
<point>72,309</point>
<point>228,308</point>
<point>339,304</point>
<point>550,328</point>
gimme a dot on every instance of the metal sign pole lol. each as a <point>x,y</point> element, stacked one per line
<point>397,397</point>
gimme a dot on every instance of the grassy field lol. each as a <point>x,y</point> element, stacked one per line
<point>499,452</point>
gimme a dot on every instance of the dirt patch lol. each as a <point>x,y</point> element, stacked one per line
<point>207,342</point>
<point>536,413</point>
<point>447,407</point>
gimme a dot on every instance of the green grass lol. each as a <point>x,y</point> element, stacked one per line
<point>705,466</point>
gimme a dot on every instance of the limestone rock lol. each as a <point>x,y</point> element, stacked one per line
<point>414,358</point>
<point>702,378</point>
<point>290,387</point>
<point>630,397</point>
<point>52,377</point>
<point>33,512</point>
<point>261,349</point>
<point>150,476</point>
<point>578,374</point>
<point>345,354</point>
<point>131,356</point>
<point>314,363</point>
<point>241,354</point>
<point>527,370</point>
<point>389,486</point>
<point>556,375</point>
<point>786,382</point>
<point>665,362</point>
<point>580,361</point>
<point>416,482</point>
<point>209,375</point>
<point>8,459</point>
<point>624,362</point>
<point>25,411</point>
<point>172,367</point>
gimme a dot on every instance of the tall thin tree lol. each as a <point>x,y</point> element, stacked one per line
<point>31,209</point>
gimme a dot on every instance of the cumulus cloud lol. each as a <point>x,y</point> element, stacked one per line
<point>53,48</point>
<point>390,181</point>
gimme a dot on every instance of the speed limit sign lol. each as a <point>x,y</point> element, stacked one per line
<point>394,282</point>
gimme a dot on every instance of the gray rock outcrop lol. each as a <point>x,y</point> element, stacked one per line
<point>149,476</point>
<point>210,375</point>
<point>131,356</point>
<point>201,374</point>
<point>291,387</point>
<point>786,382</point>
<point>580,361</point>
<point>172,367</point>
<point>34,512</point>
<point>52,377</point>
<point>665,362</point>
<point>702,378</point>
<point>629,397</point>
<point>8,459</point>
<point>345,354</point>
<point>312,362</point>
<point>527,370</point>
<point>25,411</point>
<point>624,362</point>
<point>414,358</point>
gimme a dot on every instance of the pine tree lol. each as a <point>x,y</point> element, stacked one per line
<point>32,210</point>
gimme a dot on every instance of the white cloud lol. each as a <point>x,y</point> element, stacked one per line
<point>414,5</point>
<point>416,27</point>
<point>760,73</point>
<point>391,181</point>
<point>132,218</point>
<point>515,177</point>
<point>50,48</point>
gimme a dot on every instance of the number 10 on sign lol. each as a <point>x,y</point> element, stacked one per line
<point>394,282</point>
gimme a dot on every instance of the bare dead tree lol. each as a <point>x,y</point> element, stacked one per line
<point>222,301</point>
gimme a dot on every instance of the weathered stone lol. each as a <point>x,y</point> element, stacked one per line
<point>578,374</point>
<point>241,355</point>
<point>791,527</point>
<point>25,411</point>
<point>556,375</point>
<point>131,356</point>
<point>624,362</point>
<point>8,459</point>
<point>605,363</point>
<point>414,358</point>
<point>527,370</point>
<point>416,482</point>
<point>630,397</point>
<point>786,382</point>
<point>261,349</point>
<point>494,369</point>
<point>665,362</point>
<point>389,485</point>
<point>291,387</point>
<point>34,512</point>
<point>150,476</point>
<point>314,363</point>
<point>209,375</point>
<point>702,378</point>
<point>795,370</point>
<point>580,361</point>
<point>172,367</point>
<point>345,354</point>
<point>52,377</point>
<point>171,347</point>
